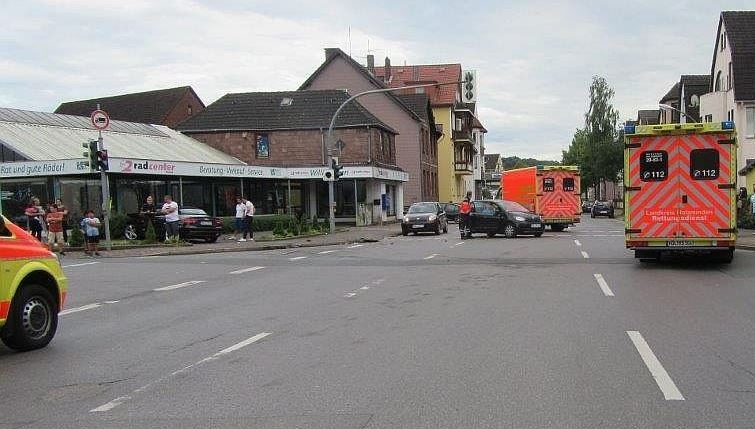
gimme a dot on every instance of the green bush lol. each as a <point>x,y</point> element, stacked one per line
<point>150,236</point>
<point>260,222</point>
<point>279,230</point>
<point>745,219</point>
<point>76,238</point>
<point>118,222</point>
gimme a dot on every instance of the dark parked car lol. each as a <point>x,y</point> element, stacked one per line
<point>452,212</point>
<point>195,224</point>
<point>587,206</point>
<point>425,217</point>
<point>602,208</point>
<point>509,218</point>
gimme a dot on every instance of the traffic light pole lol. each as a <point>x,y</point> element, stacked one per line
<point>329,143</point>
<point>105,199</point>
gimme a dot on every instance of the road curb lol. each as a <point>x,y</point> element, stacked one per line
<point>745,247</point>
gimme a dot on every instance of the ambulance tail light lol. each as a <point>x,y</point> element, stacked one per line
<point>723,243</point>
<point>727,125</point>
<point>633,244</point>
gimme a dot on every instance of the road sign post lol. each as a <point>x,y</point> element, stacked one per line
<point>101,121</point>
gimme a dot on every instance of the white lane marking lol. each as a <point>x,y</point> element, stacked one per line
<point>118,401</point>
<point>459,243</point>
<point>297,258</point>
<point>82,308</point>
<point>246,270</point>
<point>110,405</point>
<point>364,288</point>
<point>585,255</point>
<point>325,252</point>
<point>178,286</point>
<point>354,246</point>
<point>664,381</point>
<point>603,285</point>
<point>431,256</point>
<point>112,302</point>
<point>349,295</point>
<point>378,281</point>
<point>577,242</point>
<point>80,265</point>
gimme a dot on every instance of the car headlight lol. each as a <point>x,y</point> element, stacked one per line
<point>406,219</point>
<point>519,219</point>
<point>432,218</point>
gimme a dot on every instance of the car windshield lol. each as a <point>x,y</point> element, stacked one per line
<point>193,212</point>
<point>512,206</point>
<point>423,208</point>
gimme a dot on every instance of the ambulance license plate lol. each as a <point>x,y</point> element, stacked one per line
<point>679,243</point>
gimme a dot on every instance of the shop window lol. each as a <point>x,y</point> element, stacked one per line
<point>568,184</point>
<point>654,166</point>
<point>548,184</point>
<point>704,164</point>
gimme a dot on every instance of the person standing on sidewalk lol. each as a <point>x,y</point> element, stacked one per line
<point>91,226</point>
<point>55,229</point>
<point>248,217</point>
<point>238,225</point>
<point>465,208</point>
<point>170,210</point>
<point>36,216</point>
<point>62,209</point>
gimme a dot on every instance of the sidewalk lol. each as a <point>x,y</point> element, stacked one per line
<point>746,239</point>
<point>342,236</point>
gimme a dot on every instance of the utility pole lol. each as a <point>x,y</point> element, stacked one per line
<point>330,143</point>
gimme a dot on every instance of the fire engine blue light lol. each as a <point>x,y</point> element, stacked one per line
<point>727,125</point>
<point>629,129</point>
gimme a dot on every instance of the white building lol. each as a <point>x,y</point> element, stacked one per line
<point>732,96</point>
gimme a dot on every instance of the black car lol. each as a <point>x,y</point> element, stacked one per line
<point>602,208</point>
<point>509,218</point>
<point>587,206</point>
<point>425,217</point>
<point>452,212</point>
<point>195,224</point>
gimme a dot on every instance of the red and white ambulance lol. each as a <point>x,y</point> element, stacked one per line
<point>680,189</point>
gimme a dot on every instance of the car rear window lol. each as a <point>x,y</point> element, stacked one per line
<point>193,212</point>
<point>704,164</point>
<point>654,166</point>
<point>548,184</point>
<point>512,206</point>
<point>568,184</point>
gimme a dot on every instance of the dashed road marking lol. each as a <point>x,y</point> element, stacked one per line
<point>354,246</point>
<point>246,270</point>
<point>79,265</point>
<point>603,285</point>
<point>179,286</point>
<point>585,255</point>
<point>325,252</point>
<point>431,256</point>
<point>459,243</point>
<point>364,288</point>
<point>664,381</point>
<point>577,242</point>
<point>350,295</point>
<point>297,258</point>
<point>78,309</point>
<point>121,399</point>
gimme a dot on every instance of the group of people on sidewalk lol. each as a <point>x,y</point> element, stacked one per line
<point>244,218</point>
<point>49,225</point>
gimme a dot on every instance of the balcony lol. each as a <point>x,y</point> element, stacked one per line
<point>463,167</point>
<point>462,136</point>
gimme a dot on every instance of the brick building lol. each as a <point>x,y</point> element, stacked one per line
<point>410,117</point>
<point>288,130</point>
<point>167,107</point>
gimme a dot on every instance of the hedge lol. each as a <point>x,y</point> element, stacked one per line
<point>260,222</point>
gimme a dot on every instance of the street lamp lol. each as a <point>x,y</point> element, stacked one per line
<point>329,137</point>
<point>666,106</point>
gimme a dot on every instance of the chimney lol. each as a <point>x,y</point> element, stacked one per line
<point>371,63</point>
<point>329,52</point>
<point>387,70</point>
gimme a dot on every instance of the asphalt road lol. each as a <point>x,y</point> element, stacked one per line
<point>562,331</point>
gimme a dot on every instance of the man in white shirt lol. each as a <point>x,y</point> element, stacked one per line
<point>170,210</point>
<point>248,217</point>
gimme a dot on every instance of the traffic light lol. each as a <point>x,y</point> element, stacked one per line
<point>91,154</point>
<point>337,170</point>
<point>102,162</point>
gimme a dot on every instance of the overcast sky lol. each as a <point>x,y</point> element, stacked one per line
<point>535,59</point>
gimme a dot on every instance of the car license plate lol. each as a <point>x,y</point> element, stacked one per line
<point>679,243</point>
<point>418,226</point>
<point>205,223</point>
<point>536,225</point>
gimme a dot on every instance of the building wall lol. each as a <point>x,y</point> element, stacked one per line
<point>181,110</point>
<point>447,190</point>
<point>429,165</point>
<point>341,75</point>
<point>305,147</point>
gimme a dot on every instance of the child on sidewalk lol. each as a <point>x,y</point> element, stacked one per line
<point>91,226</point>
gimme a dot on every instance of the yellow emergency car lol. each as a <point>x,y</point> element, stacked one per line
<point>32,289</point>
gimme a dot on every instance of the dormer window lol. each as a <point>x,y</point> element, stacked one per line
<point>286,101</point>
<point>188,110</point>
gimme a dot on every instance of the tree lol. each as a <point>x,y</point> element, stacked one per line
<point>598,147</point>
